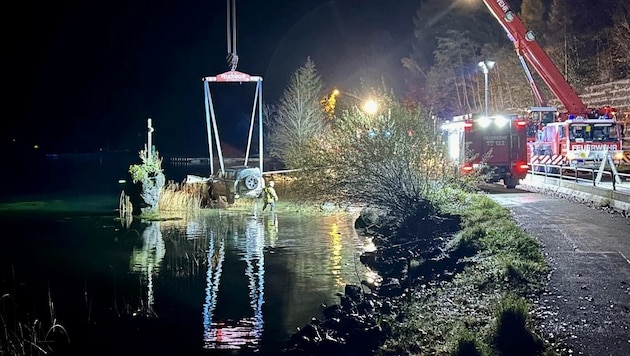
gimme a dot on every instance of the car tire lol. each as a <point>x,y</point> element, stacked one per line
<point>251,182</point>
<point>510,183</point>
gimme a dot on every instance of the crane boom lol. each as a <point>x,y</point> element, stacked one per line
<point>526,46</point>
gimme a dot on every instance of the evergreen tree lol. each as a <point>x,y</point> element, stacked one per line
<point>560,42</point>
<point>451,76</point>
<point>435,80</point>
<point>298,118</point>
<point>559,22</point>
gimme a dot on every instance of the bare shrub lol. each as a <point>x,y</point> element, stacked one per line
<point>393,159</point>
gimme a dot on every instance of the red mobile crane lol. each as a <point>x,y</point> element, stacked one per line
<point>583,134</point>
<point>526,46</point>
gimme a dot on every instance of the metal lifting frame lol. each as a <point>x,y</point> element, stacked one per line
<point>232,76</point>
<point>211,121</point>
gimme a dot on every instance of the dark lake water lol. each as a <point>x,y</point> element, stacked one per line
<point>204,284</point>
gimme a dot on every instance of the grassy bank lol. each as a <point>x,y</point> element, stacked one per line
<point>484,309</point>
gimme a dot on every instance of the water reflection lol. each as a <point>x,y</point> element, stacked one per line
<point>249,243</point>
<point>228,275</point>
<point>252,277</point>
<point>271,229</point>
<point>146,261</point>
<point>335,254</point>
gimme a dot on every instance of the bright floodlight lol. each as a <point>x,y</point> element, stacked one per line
<point>484,121</point>
<point>486,65</point>
<point>370,106</point>
<point>501,121</point>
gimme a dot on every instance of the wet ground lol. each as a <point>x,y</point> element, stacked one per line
<point>586,307</point>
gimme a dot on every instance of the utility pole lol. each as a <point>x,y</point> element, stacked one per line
<point>485,67</point>
<point>149,140</point>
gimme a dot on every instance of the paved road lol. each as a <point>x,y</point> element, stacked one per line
<point>587,303</point>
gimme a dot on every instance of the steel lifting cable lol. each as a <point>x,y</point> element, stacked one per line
<point>232,57</point>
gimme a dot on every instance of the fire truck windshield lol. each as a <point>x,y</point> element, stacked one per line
<point>593,132</point>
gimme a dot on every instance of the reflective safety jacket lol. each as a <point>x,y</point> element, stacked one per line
<point>270,195</point>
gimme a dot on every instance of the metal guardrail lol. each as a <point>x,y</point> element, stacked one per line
<point>282,171</point>
<point>583,175</point>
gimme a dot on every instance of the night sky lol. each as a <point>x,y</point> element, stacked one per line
<point>84,75</point>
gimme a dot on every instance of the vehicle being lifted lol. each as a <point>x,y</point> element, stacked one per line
<point>232,183</point>
<point>238,182</point>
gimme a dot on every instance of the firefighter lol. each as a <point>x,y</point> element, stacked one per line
<point>269,196</point>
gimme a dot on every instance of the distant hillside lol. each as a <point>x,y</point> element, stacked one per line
<point>615,94</point>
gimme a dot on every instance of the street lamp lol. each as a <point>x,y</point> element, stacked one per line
<point>485,67</point>
<point>368,106</point>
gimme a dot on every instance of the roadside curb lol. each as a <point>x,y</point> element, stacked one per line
<point>590,194</point>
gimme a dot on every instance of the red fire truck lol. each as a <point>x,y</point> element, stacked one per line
<point>552,141</point>
<point>577,141</point>
<point>497,143</point>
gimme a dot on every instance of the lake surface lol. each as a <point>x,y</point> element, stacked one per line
<point>212,283</point>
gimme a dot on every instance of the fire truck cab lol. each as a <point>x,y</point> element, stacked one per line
<point>497,143</point>
<point>577,141</point>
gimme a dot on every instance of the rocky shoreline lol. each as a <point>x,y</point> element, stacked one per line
<point>360,323</point>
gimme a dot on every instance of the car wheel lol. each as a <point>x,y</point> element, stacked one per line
<point>251,182</point>
<point>510,183</point>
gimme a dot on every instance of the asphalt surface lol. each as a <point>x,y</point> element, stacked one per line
<point>585,309</point>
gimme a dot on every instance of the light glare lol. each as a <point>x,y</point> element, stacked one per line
<point>370,106</point>
<point>484,122</point>
<point>500,121</point>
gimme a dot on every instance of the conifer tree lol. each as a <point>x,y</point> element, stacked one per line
<point>298,117</point>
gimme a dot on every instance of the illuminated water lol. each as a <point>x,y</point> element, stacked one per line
<point>207,284</point>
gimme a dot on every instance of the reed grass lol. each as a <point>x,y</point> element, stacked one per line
<point>20,335</point>
<point>125,210</point>
<point>183,197</point>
